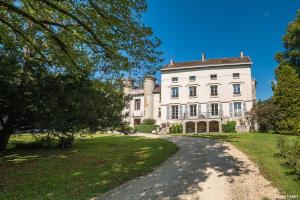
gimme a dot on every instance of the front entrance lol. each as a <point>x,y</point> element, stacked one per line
<point>136,122</point>
<point>214,126</point>
<point>201,127</point>
<point>190,127</point>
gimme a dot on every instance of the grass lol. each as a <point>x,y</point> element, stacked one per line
<point>91,167</point>
<point>261,148</point>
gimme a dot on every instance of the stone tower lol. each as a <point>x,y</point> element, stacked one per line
<point>128,86</point>
<point>149,85</point>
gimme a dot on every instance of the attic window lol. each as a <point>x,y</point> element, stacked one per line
<point>213,77</point>
<point>236,75</point>
<point>192,78</point>
<point>174,79</point>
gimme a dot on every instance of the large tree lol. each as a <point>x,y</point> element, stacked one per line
<point>287,86</point>
<point>105,37</point>
<point>287,99</point>
<point>60,62</point>
<point>291,42</point>
<point>265,115</point>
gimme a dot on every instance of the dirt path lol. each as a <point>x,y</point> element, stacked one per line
<point>201,169</point>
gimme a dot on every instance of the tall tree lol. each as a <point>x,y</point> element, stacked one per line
<point>265,114</point>
<point>105,37</point>
<point>60,62</point>
<point>291,41</point>
<point>287,99</point>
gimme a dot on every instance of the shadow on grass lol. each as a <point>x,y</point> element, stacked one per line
<point>213,136</point>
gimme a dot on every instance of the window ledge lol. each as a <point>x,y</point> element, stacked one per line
<point>237,95</point>
<point>192,97</point>
<point>174,97</point>
<point>214,96</point>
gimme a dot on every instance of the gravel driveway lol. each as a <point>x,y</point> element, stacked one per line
<point>201,169</point>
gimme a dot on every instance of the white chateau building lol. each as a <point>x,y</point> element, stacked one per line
<point>201,95</point>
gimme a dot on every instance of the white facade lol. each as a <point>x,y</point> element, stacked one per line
<point>202,95</point>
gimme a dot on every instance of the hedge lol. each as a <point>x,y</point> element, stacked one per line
<point>229,127</point>
<point>145,128</point>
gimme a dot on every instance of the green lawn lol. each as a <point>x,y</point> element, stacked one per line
<point>91,167</point>
<point>261,148</point>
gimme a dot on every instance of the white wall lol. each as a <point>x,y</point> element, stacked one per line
<point>203,82</point>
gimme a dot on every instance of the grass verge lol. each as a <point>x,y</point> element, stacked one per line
<point>91,167</point>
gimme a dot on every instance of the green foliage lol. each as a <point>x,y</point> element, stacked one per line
<point>149,122</point>
<point>33,97</point>
<point>229,127</point>
<point>176,128</point>
<point>290,151</point>
<point>264,113</point>
<point>38,143</point>
<point>287,99</point>
<point>145,128</point>
<point>103,37</point>
<point>281,145</point>
<point>125,129</point>
<point>291,41</point>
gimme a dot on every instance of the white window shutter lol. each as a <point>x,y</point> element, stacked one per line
<point>186,110</point>
<point>207,110</point>
<point>230,109</point>
<point>244,108</point>
<point>180,111</point>
<point>221,110</point>
<point>168,111</point>
<point>199,110</point>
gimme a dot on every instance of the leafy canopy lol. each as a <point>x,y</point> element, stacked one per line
<point>291,42</point>
<point>103,37</point>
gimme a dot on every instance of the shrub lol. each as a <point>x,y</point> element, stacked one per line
<point>38,143</point>
<point>145,128</point>
<point>291,151</point>
<point>148,122</point>
<point>176,128</point>
<point>125,129</point>
<point>229,127</point>
<point>281,145</point>
<point>66,142</point>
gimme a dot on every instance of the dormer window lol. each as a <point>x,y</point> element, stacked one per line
<point>213,77</point>
<point>192,78</point>
<point>174,79</point>
<point>236,75</point>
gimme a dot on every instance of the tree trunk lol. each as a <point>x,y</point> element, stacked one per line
<point>4,137</point>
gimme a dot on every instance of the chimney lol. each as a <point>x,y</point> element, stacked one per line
<point>203,56</point>
<point>171,62</point>
<point>242,54</point>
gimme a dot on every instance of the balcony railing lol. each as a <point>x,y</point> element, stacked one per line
<point>137,113</point>
<point>201,115</point>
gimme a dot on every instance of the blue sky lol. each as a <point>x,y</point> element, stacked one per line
<point>223,28</point>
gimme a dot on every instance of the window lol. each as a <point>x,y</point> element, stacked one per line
<point>192,78</point>
<point>213,77</point>
<point>193,110</point>
<point>174,79</point>
<point>214,109</point>
<point>159,112</point>
<point>236,89</point>
<point>175,92</point>
<point>213,90</point>
<point>237,109</point>
<point>174,112</point>
<point>236,75</point>
<point>137,104</point>
<point>193,91</point>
